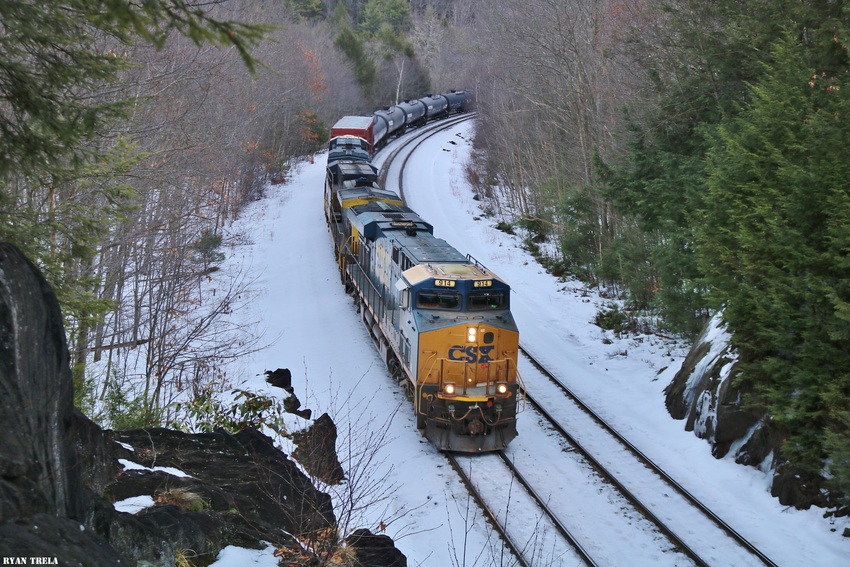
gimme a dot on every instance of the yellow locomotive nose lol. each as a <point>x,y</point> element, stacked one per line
<point>479,362</point>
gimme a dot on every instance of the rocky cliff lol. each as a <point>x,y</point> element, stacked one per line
<point>60,473</point>
<point>704,394</point>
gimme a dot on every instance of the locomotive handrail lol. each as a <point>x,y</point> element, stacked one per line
<point>520,393</point>
<point>368,294</point>
<point>343,253</point>
<point>477,263</point>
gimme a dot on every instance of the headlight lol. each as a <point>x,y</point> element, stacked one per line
<point>471,334</point>
<point>501,388</point>
<point>449,389</point>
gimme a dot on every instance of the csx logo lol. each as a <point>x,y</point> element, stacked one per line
<point>471,354</point>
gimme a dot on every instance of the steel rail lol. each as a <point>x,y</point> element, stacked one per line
<point>741,540</point>
<point>545,507</point>
<point>494,520</point>
<point>639,506</point>
<point>423,133</point>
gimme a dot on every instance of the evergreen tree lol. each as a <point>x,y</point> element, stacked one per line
<point>50,65</point>
<point>774,245</point>
<point>699,63</point>
<point>377,13</point>
<point>60,175</point>
<point>364,67</point>
<point>308,9</point>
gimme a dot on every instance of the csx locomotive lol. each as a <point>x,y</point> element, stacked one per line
<point>440,319</point>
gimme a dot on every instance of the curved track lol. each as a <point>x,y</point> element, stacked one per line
<point>413,142</point>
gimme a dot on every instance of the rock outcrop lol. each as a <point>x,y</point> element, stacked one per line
<point>704,394</point>
<point>375,550</point>
<point>43,497</point>
<point>316,451</point>
<point>60,473</point>
<point>210,490</point>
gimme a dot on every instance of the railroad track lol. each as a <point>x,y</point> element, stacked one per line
<point>422,134</point>
<point>487,477</point>
<point>665,481</point>
<point>549,536</point>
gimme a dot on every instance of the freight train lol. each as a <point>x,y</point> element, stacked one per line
<point>440,319</point>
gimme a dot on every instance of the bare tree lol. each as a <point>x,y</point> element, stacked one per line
<point>557,76</point>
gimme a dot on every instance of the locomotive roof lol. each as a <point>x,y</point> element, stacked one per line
<point>407,230</point>
<point>379,217</point>
<point>461,271</point>
<point>348,155</point>
<point>352,170</point>
<point>352,194</point>
<point>427,249</point>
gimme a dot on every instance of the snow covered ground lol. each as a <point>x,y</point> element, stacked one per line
<point>414,496</point>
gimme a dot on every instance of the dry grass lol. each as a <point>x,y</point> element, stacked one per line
<point>182,498</point>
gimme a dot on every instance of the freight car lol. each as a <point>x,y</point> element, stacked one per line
<point>440,319</point>
<point>376,130</point>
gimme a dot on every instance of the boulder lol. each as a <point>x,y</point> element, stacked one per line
<point>316,451</point>
<point>371,550</point>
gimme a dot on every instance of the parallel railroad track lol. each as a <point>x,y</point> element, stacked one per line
<point>422,134</point>
<point>666,479</point>
<point>519,549</point>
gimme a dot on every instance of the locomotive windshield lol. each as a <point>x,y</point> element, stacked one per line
<point>438,300</point>
<point>450,300</point>
<point>486,300</point>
